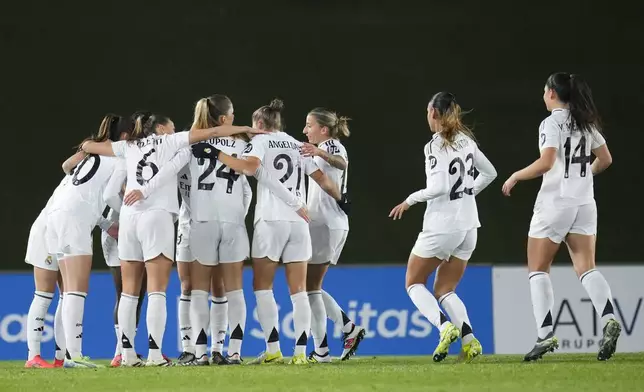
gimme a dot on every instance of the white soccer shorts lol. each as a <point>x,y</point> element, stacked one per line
<point>555,223</point>
<point>460,244</point>
<point>282,240</point>
<point>215,242</point>
<point>110,250</point>
<point>146,235</point>
<point>68,235</point>
<point>37,252</point>
<point>326,244</point>
<point>184,255</point>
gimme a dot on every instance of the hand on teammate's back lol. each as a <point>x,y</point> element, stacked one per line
<point>132,197</point>
<point>204,151</point>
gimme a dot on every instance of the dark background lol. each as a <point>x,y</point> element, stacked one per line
<point>65,65</point>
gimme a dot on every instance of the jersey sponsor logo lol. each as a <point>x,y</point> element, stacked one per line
<point>184,177</point>
<point>283,144</point>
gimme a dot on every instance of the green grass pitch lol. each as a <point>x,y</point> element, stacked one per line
<point>567,372</point>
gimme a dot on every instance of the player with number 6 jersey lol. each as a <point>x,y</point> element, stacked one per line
<point>329,230</point>
<point>147,227</point>
<point>70,221</point>
<point>281,233</point>
<point>448,239</point>
<point>565,208</point>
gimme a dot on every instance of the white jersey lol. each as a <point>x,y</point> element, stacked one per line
<point>184,180</point>
<point>570,180</point>
<point>451,187</point>
<point>83,196</point>
<point>144,159</point>
<point>280,156</point>
<point>323,209</point>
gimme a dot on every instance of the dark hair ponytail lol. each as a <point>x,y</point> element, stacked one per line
<point>573,90</point>
<point>110,129</point>
<point>450,117</point>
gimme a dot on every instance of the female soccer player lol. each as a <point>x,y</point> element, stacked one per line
<point>146,230</point>
<point>450,224</point>
<point>565,208</point>
<point>329,229</point>
<point>280,232</point>
<point>70,221</point>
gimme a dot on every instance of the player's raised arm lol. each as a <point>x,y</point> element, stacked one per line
<point>71,162</point>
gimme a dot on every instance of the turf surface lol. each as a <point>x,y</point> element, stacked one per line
<point>567,372</point>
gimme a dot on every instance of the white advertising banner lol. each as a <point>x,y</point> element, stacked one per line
<point>577,325</point>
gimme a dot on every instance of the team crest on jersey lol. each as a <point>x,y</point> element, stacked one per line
<point>432,161</point>
<point>48,260</point>
<point>249,148</point>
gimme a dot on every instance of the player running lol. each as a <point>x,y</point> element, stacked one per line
<point>450,224</point>
<point>280,233</point>
<point>329,229</point>
<point>565,208</point>
<point>147,227</point>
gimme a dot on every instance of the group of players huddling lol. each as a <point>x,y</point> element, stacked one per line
<point>135,165</point>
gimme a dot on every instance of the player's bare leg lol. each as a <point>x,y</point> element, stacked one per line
<point>158,274</point>
<point>447,278</point>
<point>185,328</point>
<point>267,313</point>
<point>77,270</point>
<point>582,253</point>
<point>541,252</point>
<point>232,274</point>
<point>418,271</point>
<point>45,283</point>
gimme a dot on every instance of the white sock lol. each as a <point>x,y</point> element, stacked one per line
<point>269,319</point>
<point>184,324</point>
<point>427,304</point>
<point>218,323</point>
<point>36,321</point>
<point>336,314</point>
<point>318,322</point>
<point>543,300</point>
<point>118,340</point>
<point>599,292</point>
<point>458,314</point>
<point>73,309</point>
<point>237,319</point>
<point>156,319</point>
<point>59,331</point>
<point>127,326</point>
<point>199,319</point>
<point>301,320</point>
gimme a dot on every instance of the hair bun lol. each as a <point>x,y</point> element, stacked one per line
<point>276,105</point>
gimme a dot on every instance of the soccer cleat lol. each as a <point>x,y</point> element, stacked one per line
<point>163,362</point>
<point>471,350</point>
<point>201,361</point>
<point>268,359</point>
<point>234,359</point>
<point>38,363</point>
<point>58,363</point>
<point>81,363</point>
<point>608,342</point>
<point>116,361</point>
<point>352,341</point>
<point>218,359</point>
<point>136,363</point>
<point>449,334</point>
<point>314,357</point>
<point>185,357</point>
<point>543,346</point>
<point>299,359</point>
